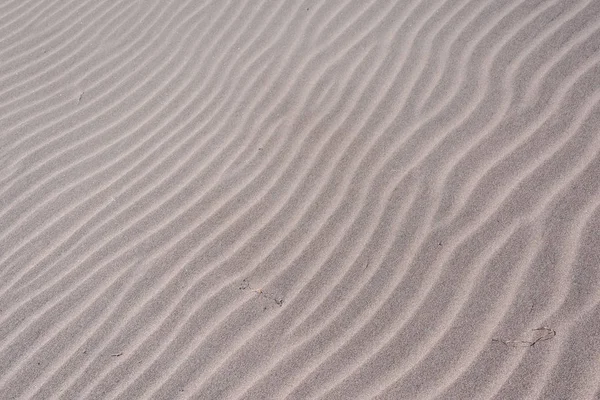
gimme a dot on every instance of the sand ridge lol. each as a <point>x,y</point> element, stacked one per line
<point>299,200</point>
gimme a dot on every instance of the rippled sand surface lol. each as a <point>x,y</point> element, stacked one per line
<point>300,200</point>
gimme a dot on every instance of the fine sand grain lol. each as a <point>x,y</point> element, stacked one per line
<point>300,199</point>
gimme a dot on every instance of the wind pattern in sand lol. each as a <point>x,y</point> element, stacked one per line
<point>300,200</point>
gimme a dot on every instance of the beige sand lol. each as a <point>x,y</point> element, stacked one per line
<point>281,199</point>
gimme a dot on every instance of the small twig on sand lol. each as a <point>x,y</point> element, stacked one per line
<point>547,335</point>
<point>246,285</point>
<point>117,354</point>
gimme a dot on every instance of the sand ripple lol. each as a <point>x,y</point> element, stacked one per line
<point>275,199</point>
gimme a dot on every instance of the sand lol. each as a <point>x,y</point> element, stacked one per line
<point>300,200</point>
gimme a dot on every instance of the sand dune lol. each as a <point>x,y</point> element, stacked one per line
<point>300,200</point>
